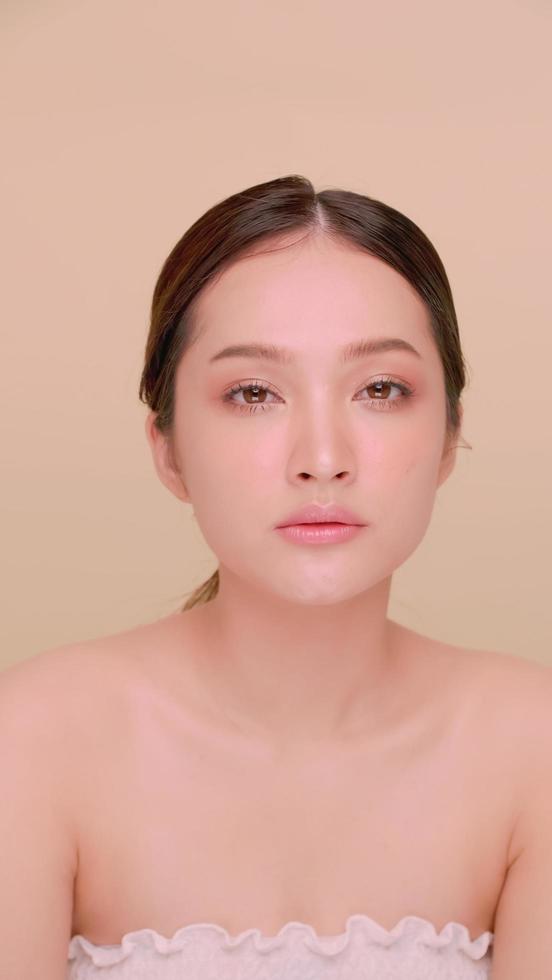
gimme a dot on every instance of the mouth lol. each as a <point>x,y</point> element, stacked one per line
<point>320,532</point>
<point>320,524</point>
<point>327,515</point>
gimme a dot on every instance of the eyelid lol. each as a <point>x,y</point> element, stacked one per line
<point>405,388</point>
<point>257,382</point>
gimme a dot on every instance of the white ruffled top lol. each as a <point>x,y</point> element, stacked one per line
<point>412,950</point>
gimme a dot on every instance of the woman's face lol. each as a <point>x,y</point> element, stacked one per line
<point>316,431</point>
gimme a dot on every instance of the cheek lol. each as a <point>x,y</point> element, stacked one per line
<point>401,460</point>
<point>228,476</point>
<point>248,458</point>
<point>245,461</point>
<point>403,504</point>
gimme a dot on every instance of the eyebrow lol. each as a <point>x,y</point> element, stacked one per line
<point>284,355</point>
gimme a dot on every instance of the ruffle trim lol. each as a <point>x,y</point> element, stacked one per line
<point>454,934</point>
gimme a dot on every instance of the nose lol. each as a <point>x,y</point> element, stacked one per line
<point>304,476</point>
<point>323,449</point>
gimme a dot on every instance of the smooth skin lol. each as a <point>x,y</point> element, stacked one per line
<point>291,619</point>
<point>285,752</point>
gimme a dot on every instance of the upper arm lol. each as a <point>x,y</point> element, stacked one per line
<point>38,854</point>
<point>523,921</point>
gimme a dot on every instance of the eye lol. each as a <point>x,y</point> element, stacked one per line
<point>257,391</point>
<point>255,388</point>
<point>381,386</point>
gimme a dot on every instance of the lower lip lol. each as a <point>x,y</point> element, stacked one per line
<point>320,533</point>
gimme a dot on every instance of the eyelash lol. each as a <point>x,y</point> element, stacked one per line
<point>380,404</point>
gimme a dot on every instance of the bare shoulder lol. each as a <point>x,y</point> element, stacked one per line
<point>43,682</point>
<point>53,690</point>
<point>66,684</point>
<point>512,693</point>
<point>57,677</point>
<point>519,693</point>
<point>514,718</point>
<point>500,684</point>
<point>510,683</point>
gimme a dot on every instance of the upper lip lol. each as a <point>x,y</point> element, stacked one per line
<point>319,514</point>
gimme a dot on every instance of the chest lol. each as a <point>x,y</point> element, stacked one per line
<point>177,828</point>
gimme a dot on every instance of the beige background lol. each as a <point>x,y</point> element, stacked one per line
<point>125,120</point>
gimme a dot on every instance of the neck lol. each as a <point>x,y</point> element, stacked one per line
<point>297,673</point>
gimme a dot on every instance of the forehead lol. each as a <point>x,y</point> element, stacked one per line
<point>316,293</point>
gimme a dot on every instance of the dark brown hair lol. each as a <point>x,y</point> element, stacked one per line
<point>270,211</point>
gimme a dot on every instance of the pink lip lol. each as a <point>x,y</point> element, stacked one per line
<point>318,514</point>
<point>319,533</point>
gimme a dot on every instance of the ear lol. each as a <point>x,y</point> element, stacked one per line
<point>448,459</point>
<point>163,459</point>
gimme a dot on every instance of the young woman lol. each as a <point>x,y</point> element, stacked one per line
<point>277,780</point>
